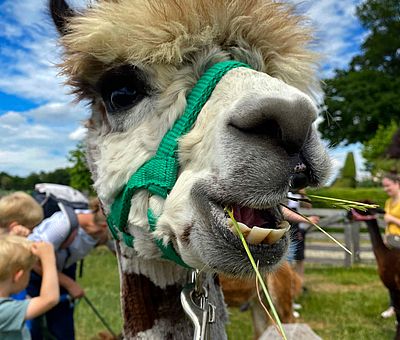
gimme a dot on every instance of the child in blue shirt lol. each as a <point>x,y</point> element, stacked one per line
<point>17,257</point>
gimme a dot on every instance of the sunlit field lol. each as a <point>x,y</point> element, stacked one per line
<point>339,303</point>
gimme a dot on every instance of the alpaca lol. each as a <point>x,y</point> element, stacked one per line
<point>197,106</point>
<point>284,285</point>
<point>388,260</point>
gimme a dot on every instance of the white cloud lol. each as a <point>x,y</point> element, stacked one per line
<point>55,113</point>
<point>11,118</point>
<point>337,30</point>
<point>26,160</point>
<point>31,143</point>
<point>78,134</point>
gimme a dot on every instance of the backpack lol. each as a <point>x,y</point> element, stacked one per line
<point>56,197</point>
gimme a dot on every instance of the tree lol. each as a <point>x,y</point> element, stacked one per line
<point>366,95</point>
<point>377,148</point>
<point>347,177</point>
<point>79,172</point>
<point>59,176</point>
<point>383,151</point>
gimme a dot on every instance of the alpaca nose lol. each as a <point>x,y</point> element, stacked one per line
<point>282,118</point>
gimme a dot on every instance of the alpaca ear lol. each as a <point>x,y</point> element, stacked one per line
<point>60,13</point>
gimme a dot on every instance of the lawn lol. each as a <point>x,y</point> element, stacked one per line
<point>339,303</point>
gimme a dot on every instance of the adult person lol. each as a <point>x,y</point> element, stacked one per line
<point>299,229</point>
<point>92,231</point>
<point>391,185</point>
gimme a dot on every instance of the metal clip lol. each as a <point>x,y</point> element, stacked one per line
<point>198,309</point>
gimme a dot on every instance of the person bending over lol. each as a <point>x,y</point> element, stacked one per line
<point>92,231</point>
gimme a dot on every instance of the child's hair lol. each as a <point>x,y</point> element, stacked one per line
<point>15,254</point>
<point>21,208</point>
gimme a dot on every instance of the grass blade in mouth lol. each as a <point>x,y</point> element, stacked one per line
<point>259,277</point>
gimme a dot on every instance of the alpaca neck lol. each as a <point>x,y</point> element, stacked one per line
<point>150,300</point>
<point>378,246</point>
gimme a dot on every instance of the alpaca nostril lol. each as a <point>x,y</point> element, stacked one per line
<point>299,178</point>
<point>298,181</point>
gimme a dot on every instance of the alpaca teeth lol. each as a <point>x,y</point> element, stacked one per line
<point>284,225</point>
<point>257,235</point>
<point>243,228</point>
<point>275,235</point>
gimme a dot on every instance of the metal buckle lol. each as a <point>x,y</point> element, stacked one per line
<point>194,300</point>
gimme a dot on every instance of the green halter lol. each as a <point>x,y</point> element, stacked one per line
<point>158,175</point>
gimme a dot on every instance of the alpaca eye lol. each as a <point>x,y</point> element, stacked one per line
<point>122,88</point>
<point>121,99</point>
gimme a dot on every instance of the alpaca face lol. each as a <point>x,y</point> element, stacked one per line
<point>136,62</point>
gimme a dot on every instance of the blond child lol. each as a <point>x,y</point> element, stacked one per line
<point>17,257</point>
<point>19,213</point>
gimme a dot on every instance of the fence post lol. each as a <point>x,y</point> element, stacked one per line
<point>355,233</point>
<point>347,240</point>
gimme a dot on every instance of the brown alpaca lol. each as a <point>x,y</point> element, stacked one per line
<point>388,261</point>
<point>284,286</point>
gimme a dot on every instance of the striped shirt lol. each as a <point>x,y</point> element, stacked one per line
<point>55,230</point>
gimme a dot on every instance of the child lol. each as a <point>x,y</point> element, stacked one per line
<point>17,257</point>
<point>19,213</point>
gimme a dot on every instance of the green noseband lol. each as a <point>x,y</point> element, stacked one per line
<point>159,174</point>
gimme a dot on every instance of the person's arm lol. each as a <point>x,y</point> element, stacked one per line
<point>72,287</point>
<point>49,291</point>
<point>291,216</point>
<point>391,219</point>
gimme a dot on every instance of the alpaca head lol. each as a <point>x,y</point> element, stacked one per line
<point>136,61</point>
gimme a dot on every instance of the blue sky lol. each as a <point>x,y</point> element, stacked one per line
<point>38,122</point>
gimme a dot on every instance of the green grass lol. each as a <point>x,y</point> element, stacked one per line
<point>100,281</point>
<point>340,303</point>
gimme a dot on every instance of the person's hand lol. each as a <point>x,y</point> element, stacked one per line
<point>42,250</point>
<point>313,219</point>
<point>75,290</point>
<point>19,230</point>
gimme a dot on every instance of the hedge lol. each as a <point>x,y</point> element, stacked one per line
<point>376,195</point>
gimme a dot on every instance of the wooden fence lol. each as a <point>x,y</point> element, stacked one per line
<point>353,235</point>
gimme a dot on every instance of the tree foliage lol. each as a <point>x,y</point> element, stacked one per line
<point>79,172</point>
<point>366,95</point>
<point>347,177</point>
<point>382,152</point>
<point>12,183</point>
<point>377,146</point>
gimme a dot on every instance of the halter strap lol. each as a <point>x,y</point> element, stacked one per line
<point>159,174</point>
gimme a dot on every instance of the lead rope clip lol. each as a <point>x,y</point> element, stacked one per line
<point>194,300</point>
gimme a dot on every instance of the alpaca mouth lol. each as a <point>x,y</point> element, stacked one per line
<point>258,226</point>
